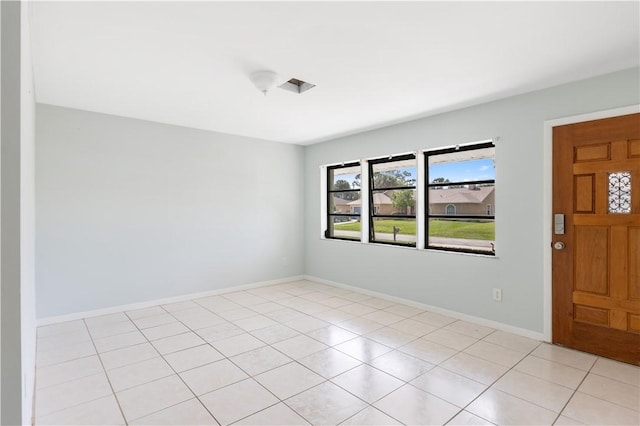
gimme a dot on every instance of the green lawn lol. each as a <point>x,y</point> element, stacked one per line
<point>437,228</point>
<point>469,230</point>
<point>383,226</point>
<point>351,226</point>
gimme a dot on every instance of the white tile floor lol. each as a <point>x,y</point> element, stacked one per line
<point>304,352</point>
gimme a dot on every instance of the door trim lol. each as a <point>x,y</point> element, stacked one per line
<point>547,199</point>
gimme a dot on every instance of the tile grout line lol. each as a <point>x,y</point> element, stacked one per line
<point>367,363</point>
<point>439,365</point>
<point>590,372</point>
<point>260,384</point>
<point>134,363</point>
<point>173,369</point>
<point>530,353</point>
<point>575,391</point>
<point>104,371</point>
<point>435,366</point>
<point>66,380</point>
<point>325,380</point>
<point>225,357</point>
<point>494,382</point>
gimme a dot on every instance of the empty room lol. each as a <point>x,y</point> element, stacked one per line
<point>320,213</point>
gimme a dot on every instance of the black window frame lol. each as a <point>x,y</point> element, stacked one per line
<point>330,192</point>
<point>429,185</point>
<point>372,213</point>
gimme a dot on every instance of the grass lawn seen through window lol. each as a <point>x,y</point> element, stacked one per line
<point>437,228</point>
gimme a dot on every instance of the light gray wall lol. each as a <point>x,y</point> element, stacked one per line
<point>132,211</point>
<point>17,211</point>
<point>11,369</point>
<point>27,217</point>
<point>1,259</point>
<point>457,282</point>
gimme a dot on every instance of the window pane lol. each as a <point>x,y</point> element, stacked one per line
<point>401,231</point>
<point>475,200</point>
<point>344,227</point>
<point>465,210</point>
<point>394,174</point>
<point>399,202</point>
<point>345,202</point>
<point>344,178</point>
<point>462,234</point>
<point>446,168</point>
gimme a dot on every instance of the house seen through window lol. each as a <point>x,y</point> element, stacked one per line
<point>343,202</point>
<point>460,198</point>
<point>392,196</point>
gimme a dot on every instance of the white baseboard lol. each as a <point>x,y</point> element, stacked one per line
<point>477,320</point>
<point>164,301</point>
<point>141,305</point>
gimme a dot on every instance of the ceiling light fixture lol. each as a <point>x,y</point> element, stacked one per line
<point>264,80</point>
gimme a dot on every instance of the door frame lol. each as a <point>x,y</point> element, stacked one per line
<point>547,199</point>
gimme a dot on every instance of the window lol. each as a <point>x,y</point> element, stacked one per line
<point>460,198</point>
<point>379,199</point>
<point>392,200</point>
<point>343,202</point>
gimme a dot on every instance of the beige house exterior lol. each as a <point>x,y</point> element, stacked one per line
<point>462,201</point>
<point>382,204</point>
<point>341,206</point>
<point>477,201</point>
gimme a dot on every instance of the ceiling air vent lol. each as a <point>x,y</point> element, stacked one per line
<point>297,86</point>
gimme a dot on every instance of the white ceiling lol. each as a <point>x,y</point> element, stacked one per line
<point>374,63</point>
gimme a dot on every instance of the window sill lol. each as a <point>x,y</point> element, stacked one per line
<point>484,256</point>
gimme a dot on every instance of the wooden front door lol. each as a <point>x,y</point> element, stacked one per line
<point>596,262</point>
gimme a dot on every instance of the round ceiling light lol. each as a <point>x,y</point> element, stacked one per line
<point>264,80</point>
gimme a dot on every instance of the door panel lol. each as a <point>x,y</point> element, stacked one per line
<point>634,148</point>
<point>584,194</point>
<point>634,264</point>
<point>592,254</point>
<point>634,323</point>
<point>596,277</point>
<point>590,315</point>
<point>592,153</point>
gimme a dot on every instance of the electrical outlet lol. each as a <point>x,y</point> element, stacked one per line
<point>497,294</point>
<point>285,261</point>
